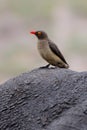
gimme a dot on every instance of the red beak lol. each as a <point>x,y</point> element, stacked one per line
<point>33,32</point>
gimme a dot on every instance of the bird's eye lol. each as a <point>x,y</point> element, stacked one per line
<point>39,33</point>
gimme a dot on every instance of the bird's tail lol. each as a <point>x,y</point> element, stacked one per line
<point>66,66</point>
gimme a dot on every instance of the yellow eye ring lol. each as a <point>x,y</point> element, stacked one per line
<point>39,33</point>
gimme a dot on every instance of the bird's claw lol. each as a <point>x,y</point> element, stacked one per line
<point>45,67</point>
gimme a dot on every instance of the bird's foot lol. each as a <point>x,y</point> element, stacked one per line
<point>55,67</point>
<point>44,67</point>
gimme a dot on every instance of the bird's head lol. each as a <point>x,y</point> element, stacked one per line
<point>40,34</point>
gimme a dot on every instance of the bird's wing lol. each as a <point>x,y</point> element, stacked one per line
<point>55,50</point>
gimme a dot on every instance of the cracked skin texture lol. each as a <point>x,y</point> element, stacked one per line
<point>44,99</point>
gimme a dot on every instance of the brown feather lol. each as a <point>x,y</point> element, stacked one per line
<point>55,50</point>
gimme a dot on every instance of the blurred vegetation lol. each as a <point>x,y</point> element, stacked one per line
<point>44,8</point>
<point>78,44</point>
<point>32,7</point>
<point>79,6</point>
<point>25,7</point>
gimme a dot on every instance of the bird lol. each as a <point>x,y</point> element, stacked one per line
<point>49,51</point>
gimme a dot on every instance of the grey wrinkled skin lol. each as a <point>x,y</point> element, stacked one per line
<point>44,99</point>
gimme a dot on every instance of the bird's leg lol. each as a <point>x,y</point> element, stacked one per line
<point>43,67</point>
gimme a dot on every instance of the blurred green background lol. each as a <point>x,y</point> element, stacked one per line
<point>64,20</point>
